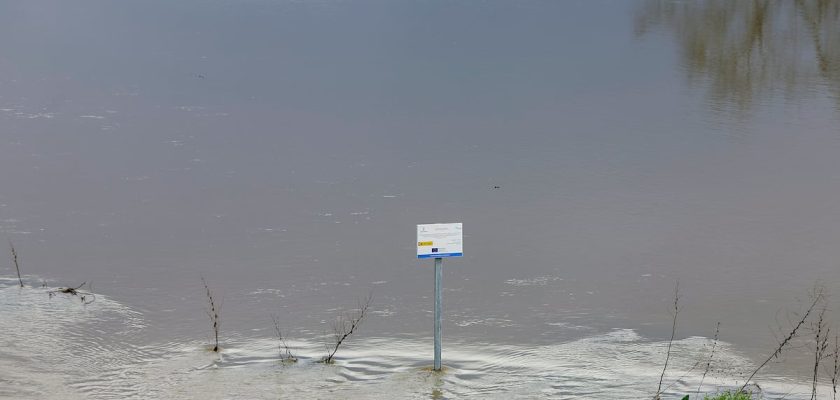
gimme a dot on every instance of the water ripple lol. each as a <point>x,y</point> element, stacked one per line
<point>59,347</point>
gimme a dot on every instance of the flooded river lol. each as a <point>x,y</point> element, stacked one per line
<point>596,152</point>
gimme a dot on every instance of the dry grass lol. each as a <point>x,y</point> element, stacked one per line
<point>817,298</point>
<point>711,357</point>
<point>671,340</point>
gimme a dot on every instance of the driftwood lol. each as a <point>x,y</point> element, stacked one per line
<point>86,297</point>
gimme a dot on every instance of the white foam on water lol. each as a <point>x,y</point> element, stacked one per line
<point>57,347</point>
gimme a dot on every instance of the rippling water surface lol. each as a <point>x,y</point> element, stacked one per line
<point>596,152</point>
<point>62,348</point>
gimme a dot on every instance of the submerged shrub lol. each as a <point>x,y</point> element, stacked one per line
<point>345,325</point>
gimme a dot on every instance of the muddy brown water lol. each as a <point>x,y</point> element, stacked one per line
<point>596,152</point>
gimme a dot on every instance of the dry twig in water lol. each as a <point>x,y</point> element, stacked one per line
<point>15,261</point>
<point>671,340</point>
<point>836,369</point>
<point>821,332</point>
<point>711,356</point>
<point>85,297</point>
<point>817,298</point>
<point>345,325</point>
<point>213,313</point>
<point>283,347</point>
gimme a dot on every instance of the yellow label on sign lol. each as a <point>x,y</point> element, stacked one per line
<point>424,243</point>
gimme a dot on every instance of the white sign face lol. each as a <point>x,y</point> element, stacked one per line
<point>440,240</point>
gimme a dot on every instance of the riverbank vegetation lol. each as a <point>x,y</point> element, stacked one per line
<point>809,330</point>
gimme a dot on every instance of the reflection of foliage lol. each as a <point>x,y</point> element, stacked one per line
<point>744,50</point>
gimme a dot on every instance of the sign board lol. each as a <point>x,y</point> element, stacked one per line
<point>440,240</point>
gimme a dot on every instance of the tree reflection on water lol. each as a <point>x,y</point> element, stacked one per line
<point>745,52</point>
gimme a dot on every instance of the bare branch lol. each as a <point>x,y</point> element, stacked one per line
<point>86,297</point>
<point>836,367</point>
<point>345,325</point>
<point>711,356</point>
<point>671,340</point>
<point>282,347</point>
<point>821,344</point>
<point>15,261</point>
<point>213,313</point>
<point>817,298</point>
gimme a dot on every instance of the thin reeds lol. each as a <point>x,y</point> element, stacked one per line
<point>817,298</point>
<point>814,319</point>
<point>711,356</point>
<point>671,340</point>
<point>836,370</point>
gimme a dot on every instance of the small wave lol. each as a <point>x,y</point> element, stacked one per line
<point>59,347</point>
<point>67,343</point>
<point>538,281</point>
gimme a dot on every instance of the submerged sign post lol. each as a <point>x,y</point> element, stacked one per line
<point>439,241</point>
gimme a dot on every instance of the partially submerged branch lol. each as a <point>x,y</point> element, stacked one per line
<point>213,313</point>
<point>711,356</point>
<point>282,347</point>
<point>15,261</point>
<point>671,340</point>
<point>86,297</point>
<point>821,331</point>
<point>345,325</point>
<point>836,370</point>
<point>817,297</point>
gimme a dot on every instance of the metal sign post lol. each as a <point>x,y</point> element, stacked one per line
<point>438,241</point>
<point>438,311</point>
